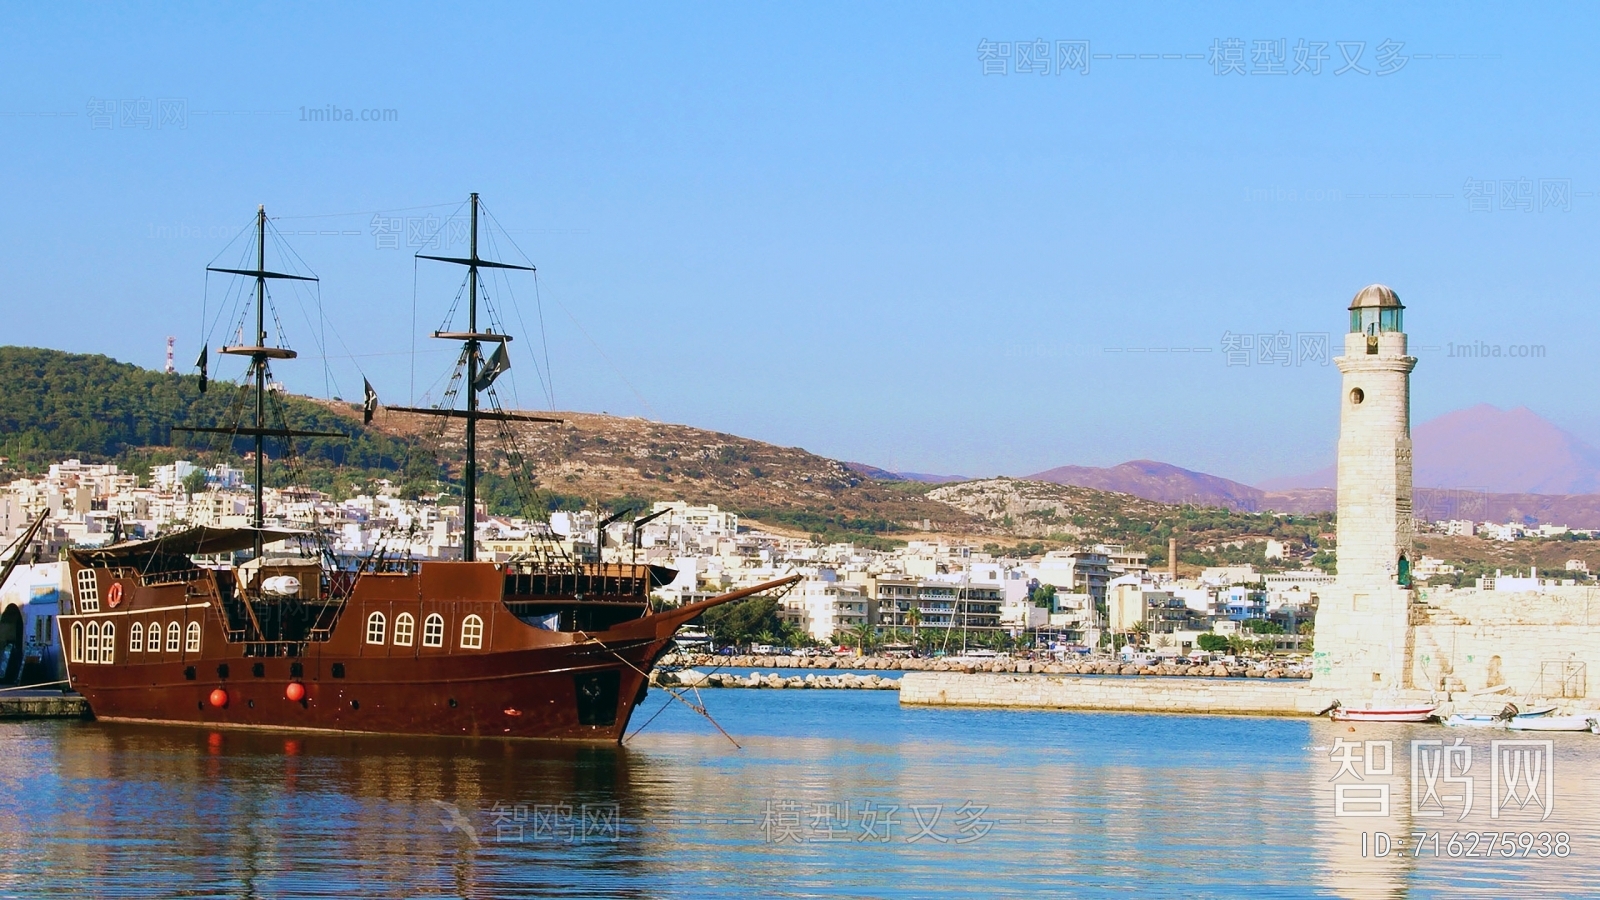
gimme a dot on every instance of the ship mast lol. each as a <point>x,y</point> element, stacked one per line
<point>469,478</point>
<point>472,341</point>
<point>258,364</point>
<point>259,354</point>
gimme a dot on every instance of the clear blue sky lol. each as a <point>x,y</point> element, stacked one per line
<point>825,226</point>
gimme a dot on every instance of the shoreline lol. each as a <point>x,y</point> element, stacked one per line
<point>971,665</point>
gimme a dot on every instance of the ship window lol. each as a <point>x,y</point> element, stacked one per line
<point>376,626</point>
<point>433,631</point>
<point>191,643</point>
<point>88,592</point>
<point>77,642</point>
<point>135,638</point>
<point>404,627</point>
<point>91,643</point>
<point>108,642</point>
<point>471,633</point>
<point>173,631</point>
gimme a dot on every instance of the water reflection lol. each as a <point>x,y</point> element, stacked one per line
<point>1457,830</point>
<point>834,792</point>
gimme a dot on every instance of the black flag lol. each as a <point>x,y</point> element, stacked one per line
<point>369,403</point>
<point>498,362</point>
<point>201,363</point>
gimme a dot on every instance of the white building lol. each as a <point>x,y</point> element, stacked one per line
<point>825,607</point>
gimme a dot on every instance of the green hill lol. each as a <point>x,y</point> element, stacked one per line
<point>56,405</point>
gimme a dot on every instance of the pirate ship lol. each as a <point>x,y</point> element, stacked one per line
<point>545,645</point>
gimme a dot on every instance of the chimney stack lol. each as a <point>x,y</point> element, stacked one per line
<point>1172,558</point>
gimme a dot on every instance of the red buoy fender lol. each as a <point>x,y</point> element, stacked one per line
<point>114,594</point>
<point>295,692</point>
<point>218,698</point>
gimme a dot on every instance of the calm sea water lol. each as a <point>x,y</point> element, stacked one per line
<point>831,793</point>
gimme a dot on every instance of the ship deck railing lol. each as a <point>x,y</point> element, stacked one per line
<point>181,576</point>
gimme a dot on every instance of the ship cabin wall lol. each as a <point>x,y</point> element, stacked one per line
<point>159,618</point>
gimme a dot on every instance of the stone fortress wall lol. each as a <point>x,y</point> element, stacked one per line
<point>1543,645</point>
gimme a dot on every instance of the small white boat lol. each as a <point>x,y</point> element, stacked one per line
<point>1582,722</point>
<point>1475,720</point>
<point>1496,720</point>
<point>1383,714</point>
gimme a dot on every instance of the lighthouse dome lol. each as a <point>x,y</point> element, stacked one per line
<point>1376,308</point>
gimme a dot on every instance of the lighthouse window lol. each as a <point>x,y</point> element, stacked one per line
<point>135,637</point>
<point>192,643</point>
<point>88,591</point>
<point>404,626</point>
<point>77,642</point>
<point>433,631</point>
<point>377,626</point>
<point>471,633</point>
<point>1357,395</point>
<point>91,643</point>
<point>108,642</point>
<point>174,631</point>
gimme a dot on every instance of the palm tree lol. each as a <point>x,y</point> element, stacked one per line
<point>864,637</point>
<point>914,619</point>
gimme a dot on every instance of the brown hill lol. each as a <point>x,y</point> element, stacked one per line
<point>601,458</point>
<point>1159,481</point>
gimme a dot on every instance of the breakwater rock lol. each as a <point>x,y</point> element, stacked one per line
<point>772,680</point>
<point>1097,665</point>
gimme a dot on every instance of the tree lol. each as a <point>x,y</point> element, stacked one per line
<point>194,482</point>
<point>864,637</point>
<point>739,622</point>
<point>1263,626</point>
<point>1043,596</point>
<point>1212,642</point>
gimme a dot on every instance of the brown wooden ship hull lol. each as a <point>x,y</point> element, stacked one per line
<point>519,681</point>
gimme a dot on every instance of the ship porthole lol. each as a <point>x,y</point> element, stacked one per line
<point>452,703</point>
<point>250,703</point>
<point>355,704</point>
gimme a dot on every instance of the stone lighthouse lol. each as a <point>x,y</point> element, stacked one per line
<point>1363,639</point>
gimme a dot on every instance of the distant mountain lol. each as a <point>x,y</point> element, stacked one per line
<point>1434,504</point>
<point>1158,481</point>
<point>878,474</point>
<point>1483,448</point>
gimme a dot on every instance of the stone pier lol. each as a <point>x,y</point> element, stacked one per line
<point>1253,697</point>
<point>42,704</point>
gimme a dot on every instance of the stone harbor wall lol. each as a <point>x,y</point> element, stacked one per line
<point>1232,697</point>
<point>1535,645</point>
